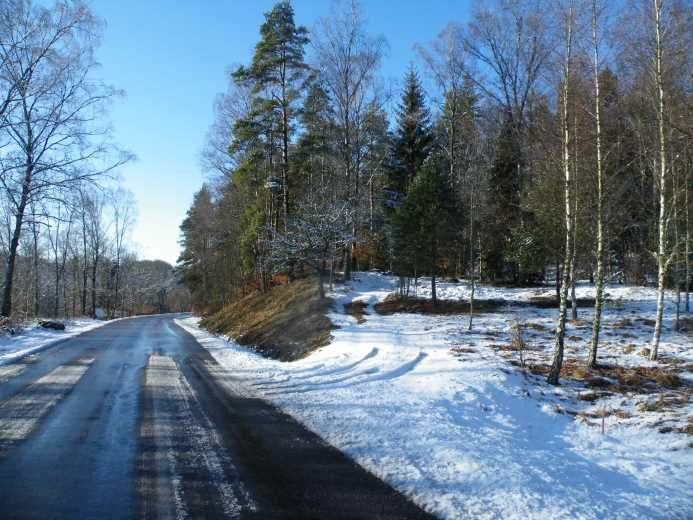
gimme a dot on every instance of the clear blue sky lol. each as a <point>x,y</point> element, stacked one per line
<point>172,58</point>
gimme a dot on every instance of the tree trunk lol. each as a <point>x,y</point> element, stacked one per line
<point>36,272</point>
<point>93,287</point>
<point>662,224</point>
<point>675,253</point>
<point>599,281</point>
<point>471,255</point>
<point>434,296</point>
<point>687,245</point>
<point>573,299</point>
<point>321,286</point>
<point>557,362</point>
<point>14,243</point>
<point>85,265</point>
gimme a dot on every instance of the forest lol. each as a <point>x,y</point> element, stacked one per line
<point>65,218</point>
<point>539,142</point>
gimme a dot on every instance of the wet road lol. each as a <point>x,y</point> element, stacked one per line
<point>136,420</point>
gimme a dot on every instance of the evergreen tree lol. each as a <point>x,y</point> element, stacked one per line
<point>194,263</point>
<point>277,73</point>
<point>315,149</point>
<point>504,202</point>
<point>423,226</point>
<point>413,136</point>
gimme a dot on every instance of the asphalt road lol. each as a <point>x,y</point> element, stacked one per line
<point>136,420</point>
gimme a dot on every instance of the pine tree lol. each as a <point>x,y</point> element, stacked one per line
<point>277,73</point>
<point>413,137</point>
<point>196,240</point>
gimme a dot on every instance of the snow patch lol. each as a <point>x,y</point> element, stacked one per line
<point>466,434</point>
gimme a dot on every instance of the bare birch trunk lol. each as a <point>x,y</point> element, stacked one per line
<point>557,362</point>
<point>687,245</point>
<point>471,255</point>
<point>599,280</point>
<point>573,299</point>
<point>677,259</point>
<point>662,224</point>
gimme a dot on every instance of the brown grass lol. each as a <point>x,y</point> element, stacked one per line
<point>536,326</point>
<point>287,322</point>
<point>462,350</point>
<point>551,302</point>
<point>357,309</point>
<point>622,324</point>
<point>642,380</point>
<point>628,349</point>
<point>394,304</point>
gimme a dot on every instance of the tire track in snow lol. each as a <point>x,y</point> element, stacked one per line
<point>373,374</point>
<point>332,371</point>
<point>20,414</point>
<point>185,440</point>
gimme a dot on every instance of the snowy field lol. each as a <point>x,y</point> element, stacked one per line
<point>447,416</point>
<point>33,338</point>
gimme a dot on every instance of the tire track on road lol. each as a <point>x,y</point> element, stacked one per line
<point>21,414</point>
<point>185,451</point>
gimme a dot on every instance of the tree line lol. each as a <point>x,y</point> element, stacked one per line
<point>540,140</point>
<point>64,241</point>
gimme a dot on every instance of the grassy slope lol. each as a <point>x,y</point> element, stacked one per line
<point>287,322</point>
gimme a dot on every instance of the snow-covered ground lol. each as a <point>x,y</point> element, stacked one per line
<point>445,417</point>
<point>34,338</point>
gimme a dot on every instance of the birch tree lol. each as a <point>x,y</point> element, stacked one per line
<point>347,59</point>
<point>661,255</point>
<point>57,138</point>
<point>557,362</point>
<point>599,278</point>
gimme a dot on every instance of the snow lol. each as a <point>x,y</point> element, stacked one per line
<point>447,419</point>
<point>35,338</point>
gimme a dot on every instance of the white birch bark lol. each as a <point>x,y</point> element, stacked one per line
<point>557,362</point>
<point>599,280</point>
<point>662,217</point>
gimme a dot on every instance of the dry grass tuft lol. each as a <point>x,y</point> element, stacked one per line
<point>645,352</point>
<point>622,324</point>
<point>591,397</point>
<point>357,309</point>
<point>536,326</point>
<point>628,349</point>
<point>462,350</point>
<point>287,322</point>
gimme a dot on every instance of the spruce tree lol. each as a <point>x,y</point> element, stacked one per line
<point>413,136</point>
<point>423,225</point>
<point>504,202</point>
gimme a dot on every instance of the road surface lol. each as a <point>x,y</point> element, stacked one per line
<point>136,420</point>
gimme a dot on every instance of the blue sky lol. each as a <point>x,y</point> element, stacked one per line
<point>173,57</point>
